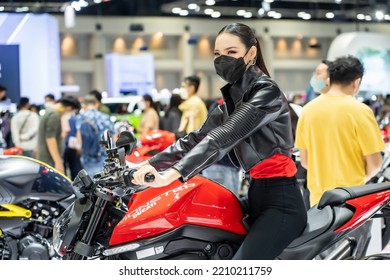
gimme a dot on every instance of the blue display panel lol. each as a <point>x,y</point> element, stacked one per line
<point>9,70</point>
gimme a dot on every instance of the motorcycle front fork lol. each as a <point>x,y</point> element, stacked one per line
<point>84,247</point>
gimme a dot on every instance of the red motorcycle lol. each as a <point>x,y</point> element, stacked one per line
<point>150,144</point>
<point>199,219</point>
<point>13,151</point>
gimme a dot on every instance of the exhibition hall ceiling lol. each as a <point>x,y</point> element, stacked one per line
<point>328,10</point>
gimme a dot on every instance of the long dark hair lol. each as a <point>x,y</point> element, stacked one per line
<point>248,38</point>
<point>148,98</point>
<point>174,103</point>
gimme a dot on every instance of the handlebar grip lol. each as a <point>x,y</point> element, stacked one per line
<point>128,176</point>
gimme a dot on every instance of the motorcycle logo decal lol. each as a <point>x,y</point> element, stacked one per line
<point>150,204</point>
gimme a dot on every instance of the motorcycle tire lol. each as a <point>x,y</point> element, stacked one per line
<point>8,249</point>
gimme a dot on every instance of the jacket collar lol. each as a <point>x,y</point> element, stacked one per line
<point>236,91</point>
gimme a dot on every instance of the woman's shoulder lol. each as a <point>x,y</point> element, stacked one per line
<point>265,87</point>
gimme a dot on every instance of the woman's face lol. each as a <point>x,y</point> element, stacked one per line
<point>145,103</point>
<point>231,45</point>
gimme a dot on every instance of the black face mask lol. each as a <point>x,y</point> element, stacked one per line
<point>229,68</point>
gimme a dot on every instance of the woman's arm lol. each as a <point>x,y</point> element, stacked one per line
<point>177,150</point>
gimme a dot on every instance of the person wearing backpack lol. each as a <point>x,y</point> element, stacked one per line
<point>90,126</point>
<point>24,128</point>
<point>49,148</point>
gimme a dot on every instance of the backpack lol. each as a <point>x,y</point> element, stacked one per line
<point>90,137</point>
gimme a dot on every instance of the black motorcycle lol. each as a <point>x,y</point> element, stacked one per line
<point>32,196</point>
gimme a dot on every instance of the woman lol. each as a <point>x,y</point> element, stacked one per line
<point>254,121</point>
<point>171,119</point>
<point>149,119</point>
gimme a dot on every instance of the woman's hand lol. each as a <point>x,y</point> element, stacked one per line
<point>160,180</point>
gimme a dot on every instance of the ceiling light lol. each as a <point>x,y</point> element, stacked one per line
<point>306,17</point>
<point>241,12</point>
<point>210,2</point>
<point>266,6</point>
<point>329,15</point>
<point>1,8</point>
<point>83,3</point>
<point>271,13</point>
<point>387,17</point>
<point>208,11</point>
<point>338,1</point>
<point>76,6</point>
<point>379,15</point>
<point>69,16</point>
<point>184,13</point>
<point>261,12</point>
<point>97,1</point>
<point>360,16</point>
<point>269,1</point>
<point>176,10</point>
<point>301,14</point>
<point>193,6</point>
<point>215,14</point>
<point>368,18</point>
<point>248,15</point>
<point>277,16</point>
<point>21,9</point>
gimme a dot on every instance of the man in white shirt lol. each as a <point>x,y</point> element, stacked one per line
<point>24,128</point>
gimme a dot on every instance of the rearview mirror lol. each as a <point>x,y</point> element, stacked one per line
<point>127,140</point>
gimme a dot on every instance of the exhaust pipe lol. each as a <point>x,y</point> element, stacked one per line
<point>343,251</point>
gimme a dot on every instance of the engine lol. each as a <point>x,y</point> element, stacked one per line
<point>31,238</point>
<point>42,218</point>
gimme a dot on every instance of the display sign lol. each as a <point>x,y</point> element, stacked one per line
<point>9,71</point>
<point>373,50</point>
<point>129,74</point>
<point>38,55</point>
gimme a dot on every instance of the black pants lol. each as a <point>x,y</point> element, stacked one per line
<point>72,162</point>
<point>278,214</point>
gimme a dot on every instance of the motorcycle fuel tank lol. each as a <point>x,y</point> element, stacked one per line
<point>22,178</point>
<point>199,201</point>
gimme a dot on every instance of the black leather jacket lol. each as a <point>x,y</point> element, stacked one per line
<point>251,125</point>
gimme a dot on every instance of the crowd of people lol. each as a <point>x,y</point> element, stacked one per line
<point>58,136</point>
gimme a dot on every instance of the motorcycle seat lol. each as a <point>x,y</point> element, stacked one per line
<point>338,196</point>
<point>318,221</point>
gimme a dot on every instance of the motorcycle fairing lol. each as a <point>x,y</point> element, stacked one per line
<point>197,202</point>
<point>365,207</point>
<point>26,178</point>
<point>190,241</point>
<point>364,200</point>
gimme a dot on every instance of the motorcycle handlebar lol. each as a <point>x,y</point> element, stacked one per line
<point>128,176</point>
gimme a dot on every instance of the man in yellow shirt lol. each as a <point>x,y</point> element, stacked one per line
<point>337,136</point>
<point>194,111</point>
